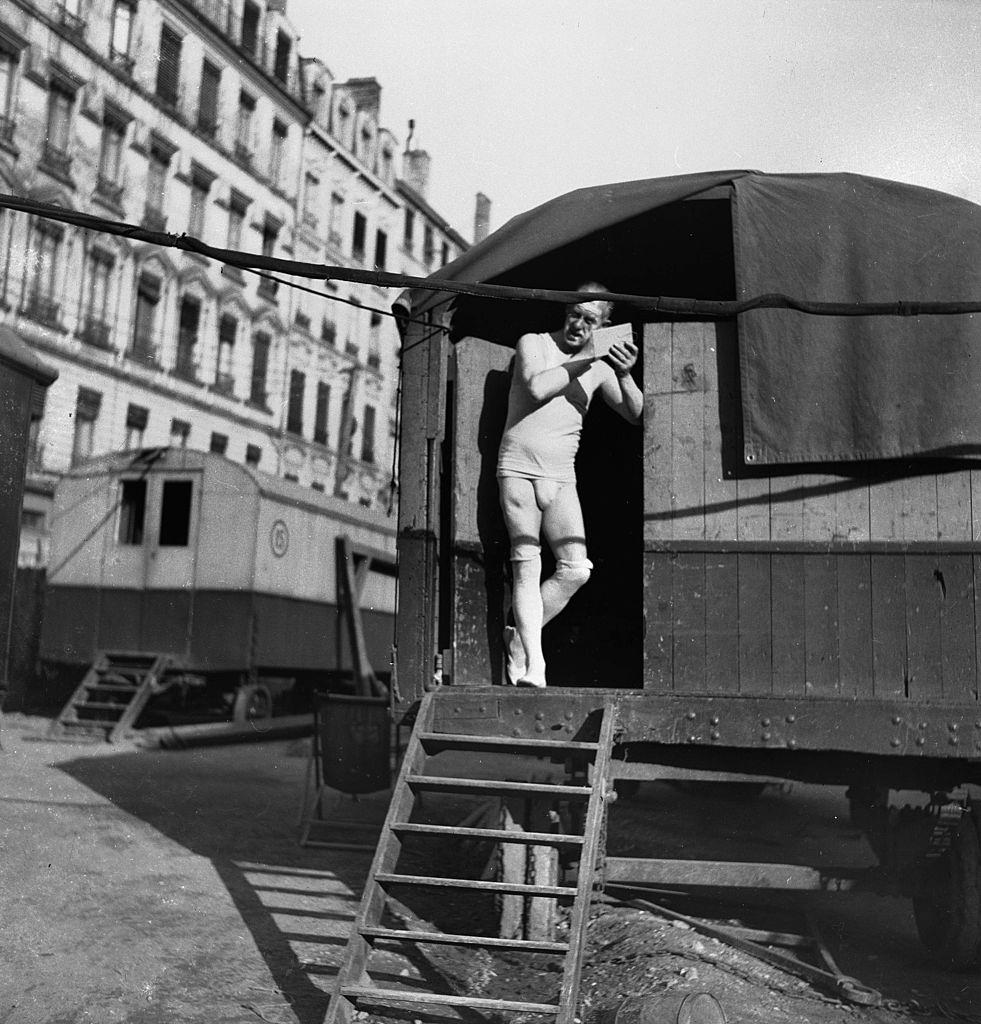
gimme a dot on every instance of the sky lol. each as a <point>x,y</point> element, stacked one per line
<point>527,99</point>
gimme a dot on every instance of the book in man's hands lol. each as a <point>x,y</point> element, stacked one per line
<point>605,337</point>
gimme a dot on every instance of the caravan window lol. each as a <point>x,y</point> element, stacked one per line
<point>175,513</point>
<point>132,509</point>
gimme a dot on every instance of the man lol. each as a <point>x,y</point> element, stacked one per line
<point>554,379</point>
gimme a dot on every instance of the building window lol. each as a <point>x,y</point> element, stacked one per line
<point>381,249</point>
<point>244,127</point>
<point>144,332</point>
<point>154,217</point>
<point>336,223</point>
<point>169,66</point>
<point>219,443</point>
<point>260,368</point>
<point>328,331</point>
<point>385,165</point>
<point>374,341</point>
<point>122,34</point>
<point>8,70</point>
<point>311,198</point>
<point>444,254</point>
<point>253,455</point>
<point>250,27</point>
<point>35,449</point>
<point>227,330</point>
<point>96,329</point>
<point>281,64</point>
<point>40,291</point>
<point>270,232</point>
<point>185,365</point>
<point>110,157</point>
<point>428,246</point>
<point>237,205</point>
<point>410,223</point>
<point>180,433</point>
<point>368,435</point>
<point>360,230</point>
<point>132,510</point>
<point>294,409</point>
<point>87,406</point>
<point>277,152</point>
<point>60,103</point>
<point>321,413</point>
<point>343,132</point>
<point>208,99</point>
<point>136,420</point>
<point>201,180</point>
<point>175,513</point>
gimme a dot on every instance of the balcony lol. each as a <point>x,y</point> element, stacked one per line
<point>207,126</point>
<point>42,310</point>
<point>96,333</point>
<point>302,321</point>
<point>154,219</point>
<point>123,61</point>
<point>7,127</point>
<point>56,160</point>
<point>185,365</point>
<point>108,190</point>
<point>267,289</point>
<point>143,351</point>
<point>224,384</point>
<point>70,21</point>
<point>243,154</point>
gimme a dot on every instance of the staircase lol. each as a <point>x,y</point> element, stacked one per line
<point>109,699</point>
<point>356,989</point>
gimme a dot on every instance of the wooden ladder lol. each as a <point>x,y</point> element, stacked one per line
<point>111,695</point>
<point>355,987</point>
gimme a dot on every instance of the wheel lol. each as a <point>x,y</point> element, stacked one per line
<point>253,702</point>
<point>947,907</point>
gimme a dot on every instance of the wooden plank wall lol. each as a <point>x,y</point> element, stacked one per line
<point>794,584</point>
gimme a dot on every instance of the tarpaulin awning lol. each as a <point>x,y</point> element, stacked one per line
<point>814,388</point>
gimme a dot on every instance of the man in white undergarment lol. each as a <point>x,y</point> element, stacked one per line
<point>554,378</point>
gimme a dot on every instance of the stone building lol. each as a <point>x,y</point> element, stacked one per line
<point>200,116</point>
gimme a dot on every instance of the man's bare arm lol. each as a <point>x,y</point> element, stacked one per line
<point>618,387</point>
<point>542,381</point>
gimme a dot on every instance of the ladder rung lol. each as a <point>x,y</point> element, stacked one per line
<point>508,743</point>
<point>114,687</point>
<point>89,723</point>
<point>435,882</point>
<point>99,705</point>
<point>451,785</point>
<point>450,939</point>
<point>498,835</point>
<point>394,995</point>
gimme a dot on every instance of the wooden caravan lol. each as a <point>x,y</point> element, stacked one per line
<point>787,579</point>
<point>228,572</point>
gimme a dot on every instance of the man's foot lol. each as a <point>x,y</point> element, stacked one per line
<point>517,663</point>
<point>531,681</point>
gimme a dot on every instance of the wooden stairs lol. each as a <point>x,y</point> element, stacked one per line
<point>111,695</point>
<point>356,990</point>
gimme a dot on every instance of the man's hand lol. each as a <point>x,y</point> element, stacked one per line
<point>622,357</point>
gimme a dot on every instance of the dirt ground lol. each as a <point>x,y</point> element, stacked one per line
<point>150,887</point>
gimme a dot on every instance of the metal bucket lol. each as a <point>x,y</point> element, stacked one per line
<point>671,1008</point>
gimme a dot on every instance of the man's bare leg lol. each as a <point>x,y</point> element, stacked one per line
<point>523,519</point>
<point>565,532</point>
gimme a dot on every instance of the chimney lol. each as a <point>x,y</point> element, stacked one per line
<point>481,217</point>
<point>415,169</point>
<point>366,93</point>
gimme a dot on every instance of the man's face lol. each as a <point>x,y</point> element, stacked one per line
<point>581,320</point>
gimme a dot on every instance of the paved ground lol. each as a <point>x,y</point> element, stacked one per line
<point>151,887</point>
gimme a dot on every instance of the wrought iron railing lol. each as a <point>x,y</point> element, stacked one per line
<point>57,159</point>
<point>71,21</point>
<point>108,190</point>
<point>224,383</point>
<point>96,332</point>
<point>154,219</point>
<point>123,61</point>
<point>143,351</point>
<point>267,289</point>
<point>41,309</point>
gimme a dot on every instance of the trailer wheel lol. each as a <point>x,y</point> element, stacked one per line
<point>947,907</point>
<point>253,702</point>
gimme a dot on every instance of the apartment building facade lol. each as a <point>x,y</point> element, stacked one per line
<point>199,117</point>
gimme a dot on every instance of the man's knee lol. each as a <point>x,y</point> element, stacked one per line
<point>526,563</point>
<point>573,574</point>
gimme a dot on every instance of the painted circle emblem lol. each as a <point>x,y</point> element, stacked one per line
<point>279,538</point>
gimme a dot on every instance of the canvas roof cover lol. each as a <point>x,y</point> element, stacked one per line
<point>814,388</point>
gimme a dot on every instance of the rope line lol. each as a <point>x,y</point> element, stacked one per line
<point>715,308</point>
